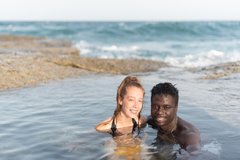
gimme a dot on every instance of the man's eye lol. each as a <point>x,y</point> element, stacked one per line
<point>167,107</point>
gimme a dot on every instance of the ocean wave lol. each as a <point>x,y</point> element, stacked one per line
<point>171,30</point>
<point>107,51</point>
<point>16,28</point>
<point>115,48</point>
<point>165,54</point>
<point>84,47</point>
<point>203,59</point>
<point>129,31</point>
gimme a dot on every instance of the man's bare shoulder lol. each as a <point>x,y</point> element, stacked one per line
<point>187,127</point>
<point>189,133</point>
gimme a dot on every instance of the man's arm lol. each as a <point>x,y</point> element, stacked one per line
<point>193,142</point>
<point>189,137</point>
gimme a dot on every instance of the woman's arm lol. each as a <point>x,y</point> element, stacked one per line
<point>104,126</point>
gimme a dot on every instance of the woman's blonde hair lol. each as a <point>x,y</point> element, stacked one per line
<point>128,81</point>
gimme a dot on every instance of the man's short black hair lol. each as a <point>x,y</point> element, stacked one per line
<point>165,89</point>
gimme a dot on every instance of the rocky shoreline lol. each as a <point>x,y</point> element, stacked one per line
<point>217,71</point>
<point>27,61</point>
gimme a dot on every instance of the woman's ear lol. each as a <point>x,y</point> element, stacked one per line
<point>120,101</point>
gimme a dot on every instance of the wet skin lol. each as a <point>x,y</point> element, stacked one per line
<point>163,110</point>
<point>164,118</point>
<point>132,102</point>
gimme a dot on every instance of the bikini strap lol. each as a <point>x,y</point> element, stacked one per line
<point>135,125</point>
<point>113,127</point>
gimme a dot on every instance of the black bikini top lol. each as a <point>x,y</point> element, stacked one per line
<point>114,127</point>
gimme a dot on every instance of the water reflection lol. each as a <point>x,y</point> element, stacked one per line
<point>125,147</point>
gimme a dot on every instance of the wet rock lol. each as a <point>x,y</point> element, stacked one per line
<point>221,70</point>
<point>26,61</point>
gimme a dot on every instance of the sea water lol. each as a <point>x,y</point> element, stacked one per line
<point>57,120</point>
<point>181,44</point>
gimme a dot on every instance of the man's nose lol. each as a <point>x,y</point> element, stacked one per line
<point>161,109</point>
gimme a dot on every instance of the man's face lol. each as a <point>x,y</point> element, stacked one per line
<point>163,109</point>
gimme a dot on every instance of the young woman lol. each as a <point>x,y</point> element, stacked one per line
<point>127,116</point>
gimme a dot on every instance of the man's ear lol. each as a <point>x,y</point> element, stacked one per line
<point>177,108</point>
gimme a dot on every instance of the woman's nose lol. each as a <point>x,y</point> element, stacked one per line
<point>135,103</point>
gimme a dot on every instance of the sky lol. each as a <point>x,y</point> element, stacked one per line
<point>119,10</point>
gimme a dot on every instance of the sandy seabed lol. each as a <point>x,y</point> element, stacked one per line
<point>27,61</point>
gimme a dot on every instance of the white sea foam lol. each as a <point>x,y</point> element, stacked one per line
<point>84,47</point>
<point>15,28</point>
<point>200,59</point>
<point>115,48</point>
<point>111,51</point>
<point>203,59</point>
<point>213,147</point>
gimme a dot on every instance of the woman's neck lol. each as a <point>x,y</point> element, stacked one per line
<point>123,119</point>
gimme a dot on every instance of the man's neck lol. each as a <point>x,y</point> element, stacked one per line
<point>170,127</point>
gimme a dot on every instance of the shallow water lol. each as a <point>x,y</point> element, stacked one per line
<point>56,120</point>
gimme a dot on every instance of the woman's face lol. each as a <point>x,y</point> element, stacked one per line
<point>132,102</point>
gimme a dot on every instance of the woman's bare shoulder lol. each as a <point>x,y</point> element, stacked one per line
<point>104,126</point>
